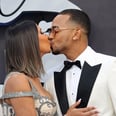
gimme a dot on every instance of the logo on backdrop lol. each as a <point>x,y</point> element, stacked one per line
<point>11,9</point>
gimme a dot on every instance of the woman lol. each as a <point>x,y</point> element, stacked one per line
<point>23,94</point>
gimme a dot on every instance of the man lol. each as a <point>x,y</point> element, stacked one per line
<point>93,80</point>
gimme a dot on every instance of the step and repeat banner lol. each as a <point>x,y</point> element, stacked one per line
<point>102,15</point>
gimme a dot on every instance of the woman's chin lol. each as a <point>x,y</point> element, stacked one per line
<point>45,52</point>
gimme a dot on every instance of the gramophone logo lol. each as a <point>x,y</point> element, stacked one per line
<point>11,9</point>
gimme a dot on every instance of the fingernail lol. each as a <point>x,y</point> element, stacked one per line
<point>79,100</point>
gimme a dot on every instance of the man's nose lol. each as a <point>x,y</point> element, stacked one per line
<point>50,37</point>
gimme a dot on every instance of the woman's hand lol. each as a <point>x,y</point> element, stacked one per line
<point>88,111</point>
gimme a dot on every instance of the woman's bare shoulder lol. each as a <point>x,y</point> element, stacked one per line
<point>17,82</point>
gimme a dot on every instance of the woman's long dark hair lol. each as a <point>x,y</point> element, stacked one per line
<point>22,49</point>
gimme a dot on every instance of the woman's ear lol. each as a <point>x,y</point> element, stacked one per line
<point>77,34</point>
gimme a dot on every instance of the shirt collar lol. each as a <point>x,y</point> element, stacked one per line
<point>83,56</point>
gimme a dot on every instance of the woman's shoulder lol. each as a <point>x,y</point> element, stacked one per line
<point>16,81</point>
<point>14,75</point>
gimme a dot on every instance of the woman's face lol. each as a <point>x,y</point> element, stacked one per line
<point>43,42</point>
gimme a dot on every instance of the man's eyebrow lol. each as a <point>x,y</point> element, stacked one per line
<point>55,27</point>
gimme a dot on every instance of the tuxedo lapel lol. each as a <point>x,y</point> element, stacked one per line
<point>87,79</point>
<point>60,86</point>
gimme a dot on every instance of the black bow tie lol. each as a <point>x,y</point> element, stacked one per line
<point>69,64</point>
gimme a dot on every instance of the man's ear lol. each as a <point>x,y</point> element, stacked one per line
<point>77,34</point>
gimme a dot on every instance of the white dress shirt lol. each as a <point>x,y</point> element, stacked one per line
<point>72,81</point>
<point>73,77</point>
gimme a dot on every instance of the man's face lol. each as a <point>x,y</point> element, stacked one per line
<point>61,34</point>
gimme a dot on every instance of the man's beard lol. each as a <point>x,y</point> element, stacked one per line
<point>55,52</point>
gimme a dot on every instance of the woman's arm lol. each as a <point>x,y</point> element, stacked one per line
<point>23,106</point>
